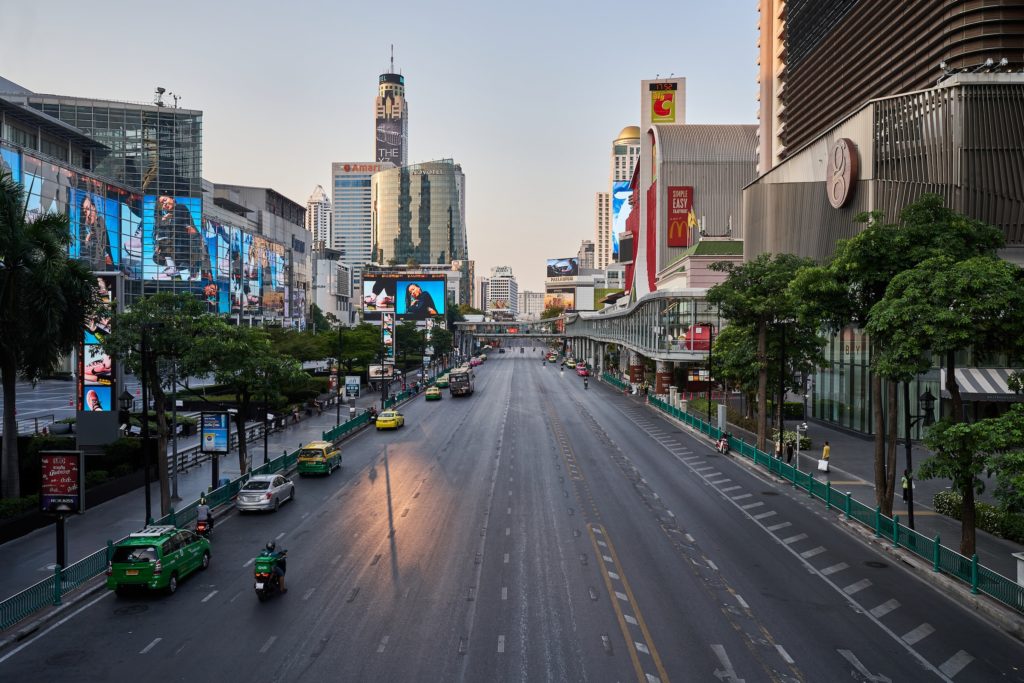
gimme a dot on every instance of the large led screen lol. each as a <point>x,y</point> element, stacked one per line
<point>96,370</point>
<point>621,208</point>
<point>410,296</point>
<point>563,267</point>
<point>95,225</point>
<point>10,161</point>
<point>172,245</point>
<point>566,300</point>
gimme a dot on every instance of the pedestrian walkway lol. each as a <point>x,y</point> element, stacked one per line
<point>86,533</point>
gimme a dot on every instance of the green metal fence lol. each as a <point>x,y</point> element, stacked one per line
<point>966,569</point>
<point>50,590</point>
<point>614,381</point>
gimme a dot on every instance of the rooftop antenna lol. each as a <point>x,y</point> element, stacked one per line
<point>158,98</point>
<point>392,58</point>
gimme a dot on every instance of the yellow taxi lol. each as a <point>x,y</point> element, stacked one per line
<point>319,457</point>
<point>432,394</point>
<point>390,419</point>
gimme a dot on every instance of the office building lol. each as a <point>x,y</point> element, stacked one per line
<point>480,292</point>
<point>612,208</point>
<point>352,216</point>
<point>419,214</point>
<point>822,60</point>
<point>391,119</point>
<point>466,270</point>
<point>585,255</point>
<point>502,293</point>
<point>318,216</point>
<point>531,305</point>
<point>332,287</point>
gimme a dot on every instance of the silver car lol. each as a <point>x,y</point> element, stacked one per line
<point>265,492</point>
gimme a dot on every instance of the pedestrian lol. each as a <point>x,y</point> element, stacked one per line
<point>905,484</point>
<point>789,452</point>
<point>826,451</point>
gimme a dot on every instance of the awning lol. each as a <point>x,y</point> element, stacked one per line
<point>982,384</point>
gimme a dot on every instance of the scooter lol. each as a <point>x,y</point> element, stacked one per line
<point>722,446</point>
<point>586,384</point>
<point>267,582</point>
<point>204,528</point>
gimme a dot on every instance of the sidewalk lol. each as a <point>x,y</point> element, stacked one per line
<point>851,468</point>
<point>86,533</point>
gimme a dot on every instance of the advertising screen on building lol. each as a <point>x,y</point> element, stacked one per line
<point>409,296</point>
<point>172,243</point>
<point>389,140</point>
<point>563,267</point>
<point>621,208</point>
<point>561,299</point>
<point>663,102</point>
<point>680,207</point>
<point>96,370</point>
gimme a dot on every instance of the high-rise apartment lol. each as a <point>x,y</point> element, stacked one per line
<point>502,293</point>
<point>531,305</point>
<point>821,60</point>
<point>419,213</point>
<point>392,118</point>
<point>586,255</point>
<point>318,216</point>
<point>612,208</point>
<point>352,216</point>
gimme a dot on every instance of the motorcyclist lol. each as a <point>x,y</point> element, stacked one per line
<point>722,446</point>
<point>203,513</point>
<point>586,383</point>
<point>280,563</point>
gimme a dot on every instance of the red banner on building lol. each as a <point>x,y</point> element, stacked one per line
<point>680,204</point>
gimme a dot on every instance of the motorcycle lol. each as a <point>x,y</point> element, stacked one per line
<point>267,582</point>
<point>586,384</point>
<point>204,528</point>
<point>722,446</point>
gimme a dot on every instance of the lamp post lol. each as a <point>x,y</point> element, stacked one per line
<point>146,454</point>
<point>174,429</point>
<point>782,390</point>
<point>711,343</point>
<point>266,427</point>
<point>801,430</point>
<point>926,403</point>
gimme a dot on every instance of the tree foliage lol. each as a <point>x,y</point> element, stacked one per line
<point>552,311</point>
<point>45,298</point>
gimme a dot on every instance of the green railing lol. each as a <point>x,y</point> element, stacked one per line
<point>966,569</point>
<point>50,590</point>
<point>341,430</point>
<point>614,381</point>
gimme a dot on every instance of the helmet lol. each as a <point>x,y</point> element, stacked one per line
<point>202,501</point>
<point>271,546</point>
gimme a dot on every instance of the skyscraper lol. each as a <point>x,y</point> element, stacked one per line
<point>821,60</point>
<point>502,293</point>
<point>352,217</point>
<point>318,216</point>
<point>612,208</point>
<point>392,118</point>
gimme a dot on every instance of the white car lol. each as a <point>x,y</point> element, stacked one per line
<point>264,492</point>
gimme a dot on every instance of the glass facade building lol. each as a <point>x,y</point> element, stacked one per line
<point>352,221</point>
<point>419,213</point>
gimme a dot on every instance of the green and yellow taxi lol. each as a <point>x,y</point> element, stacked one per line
<point>570,363</point>
<point>319,457</point>
<point>157,557</point>
<point>432,394</point>
<point>442,381</point>
<point>390,419</point>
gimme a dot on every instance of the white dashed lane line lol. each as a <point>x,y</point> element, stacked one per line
<point>918,634</point>
<point>828,571</point>
<point>150,646</point>
<point>793,539</point>
<point>857,587</point>
<point>885,608</point>
<point>955,664</point>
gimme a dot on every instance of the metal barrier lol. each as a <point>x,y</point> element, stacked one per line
<point>50,590</point>
<point>981,579</point>
<point>614,381</point>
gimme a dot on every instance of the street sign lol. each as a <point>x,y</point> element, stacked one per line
<point>63,482</point>
<point>352,386</point>
<point>213,434</point>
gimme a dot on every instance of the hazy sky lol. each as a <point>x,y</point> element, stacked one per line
<point>526,96</point>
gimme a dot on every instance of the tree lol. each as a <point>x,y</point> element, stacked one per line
<point>317,319</point>
<point>173,323</point>
<point>552,311</point>
<point>756,295</point>
<point>466,309</point>
<point>842,292</point>
<point>443,341</point>
<point>302,346</point>
<point>409,339</point>
<point>45,299</point>
<point>243,359</point>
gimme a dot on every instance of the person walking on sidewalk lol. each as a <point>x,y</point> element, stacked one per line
<point>789,452</point>
<point>905,484</point>
<point>826,451</point>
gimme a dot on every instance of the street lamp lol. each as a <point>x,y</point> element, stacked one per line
<point>801,431</point>
<point>926,403</point>
<point>146,446</point>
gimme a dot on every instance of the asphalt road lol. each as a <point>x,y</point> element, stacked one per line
<point>534,531</point>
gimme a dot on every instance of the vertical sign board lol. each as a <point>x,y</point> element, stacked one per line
<point>213,437</point>
<point>387,331</point>
<point>680,204</point>
<point>663,102</point>
<point>352,386</point>
<point>63,482</point>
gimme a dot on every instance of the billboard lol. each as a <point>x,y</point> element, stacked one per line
<point>352,383</point>
<point>63,482</point>
<point>389,140</point>
<point>406,295</point>
<point>680,206</point>
<point>562,267</point>
<point>213,432</point>
<point>562,299</point>
<point>387,337</point>
<point>621,208</point>
<point>663,102</point>
<point>95,369</point>
<point>378,371</point>
<point>172,244</point>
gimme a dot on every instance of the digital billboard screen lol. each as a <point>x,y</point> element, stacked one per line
<point>172,245</point>
<point>96,371</point>
<point>409,296</point>
<point>563,267</point>
<point>561,299</point>
<point>389,140</point>
<point>621,208</point>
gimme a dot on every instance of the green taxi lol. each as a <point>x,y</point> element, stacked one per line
<point>442,381</point>
<point>157,558</point>
<point>319,457</point>
<point>433,394</point>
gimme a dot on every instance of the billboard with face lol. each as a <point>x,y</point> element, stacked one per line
<point>96,371</point>
<point>563,267</point>
<point>173,247</point>
<point>407,295</point>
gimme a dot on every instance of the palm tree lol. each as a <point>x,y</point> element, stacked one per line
<point>44,300</point>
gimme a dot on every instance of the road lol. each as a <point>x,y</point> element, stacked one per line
<point>534,531</point>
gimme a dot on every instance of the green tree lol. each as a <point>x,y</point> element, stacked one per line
<point>442,340</point>
<point>302,346</point>
<point>552,312</point>
<point>318,322</point>
<point>410,340</point>
<point>842,293</point>
<point>173,323</point>
<point>756,295</point>
<point>466,309</point>
<point>243,359</point>
<point>45,298</point>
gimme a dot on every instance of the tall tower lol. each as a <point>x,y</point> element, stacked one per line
<point>392,118</point>
<point>318,216</point>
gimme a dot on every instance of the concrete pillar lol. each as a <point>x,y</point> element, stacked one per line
<point>662,377</point>
<point>636,367</point>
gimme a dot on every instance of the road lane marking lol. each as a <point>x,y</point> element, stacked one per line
<point>711,564</point>
<point>828,571</point>
<point>266,645</point>
<point>918,634</point>
<point>607,559</point>
<point>885,608</point>
<point>501,644</point>
<point>807,554</point>
<point>741,601</point>
<point>248,563</point>
<point>742,496</point>
<point>621,596</point>
<point>955,664</point>
<point>508,531</point>
<point>854,588</point>
<point>726,673</point>
<point>383,644</point>
<point>279,536</point>
<point>308,593</point>
<point>750,506</point>
<point>765,515</point>
<point>780,525</point>
<point>207,598</point>
<point>641,647</point>
<point>506,558</point>
<point>504,592</point>
<point>721,481</point>
<point>150,646</point>
<point>731,488</point>
<point>794,539</point>
<point>785,655</point>
<point>629,619</point>
<point>690,538</point>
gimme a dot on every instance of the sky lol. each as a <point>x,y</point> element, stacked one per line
<point>526,96</point>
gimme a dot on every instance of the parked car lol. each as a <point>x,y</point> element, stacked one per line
<point>156,558</point>
<point>265,492</point>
